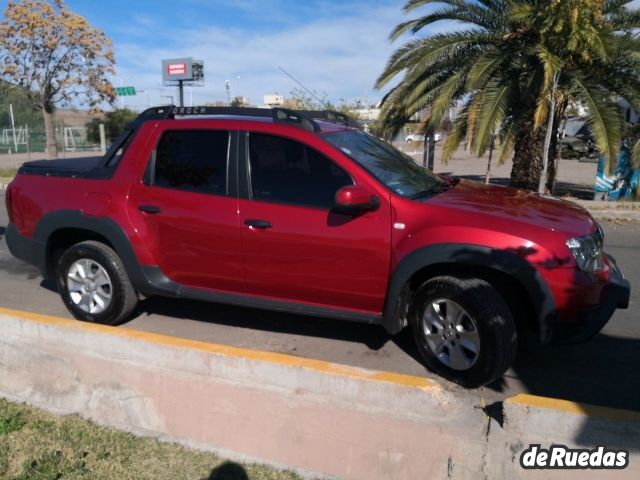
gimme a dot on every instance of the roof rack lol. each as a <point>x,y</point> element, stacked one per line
<point>303,118</point>
<point>332,116</point>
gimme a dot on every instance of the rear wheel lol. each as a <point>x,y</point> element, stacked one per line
<point>94,285</point>
<point>463,329</point>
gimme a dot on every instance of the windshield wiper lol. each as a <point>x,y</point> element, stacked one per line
<point>429,192</point>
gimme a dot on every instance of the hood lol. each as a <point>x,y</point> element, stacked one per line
<point>512,204</point>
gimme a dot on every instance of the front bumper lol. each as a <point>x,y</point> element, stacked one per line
<point>614,295</point>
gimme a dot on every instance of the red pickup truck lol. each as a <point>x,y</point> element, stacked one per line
<point>304,212</point>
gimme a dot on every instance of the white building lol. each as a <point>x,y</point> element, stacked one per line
<point>271,101</point>
<point>370,114</point>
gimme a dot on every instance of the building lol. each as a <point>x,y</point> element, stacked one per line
<point>271,101</point>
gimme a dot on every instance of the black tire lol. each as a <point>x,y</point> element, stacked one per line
<point>123,299</point>
<point>488,318</point>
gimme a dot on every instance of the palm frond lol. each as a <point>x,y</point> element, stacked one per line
<point>492,112</point>
<point>424,52</point>
<point>482,69</point>
<point>472,117</point>
<point>603,119</point>
<point>449,90</point>
<point>508,139</point>
<point>455,137</point>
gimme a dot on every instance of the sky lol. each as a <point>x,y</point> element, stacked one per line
<point>336,48</point>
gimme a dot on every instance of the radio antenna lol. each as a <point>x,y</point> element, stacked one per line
<point>305,88</point>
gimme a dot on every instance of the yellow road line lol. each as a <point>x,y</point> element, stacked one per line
<point>229,351</point>
<point>567,406</point>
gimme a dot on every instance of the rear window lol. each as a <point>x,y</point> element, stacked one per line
<point>194,160</point>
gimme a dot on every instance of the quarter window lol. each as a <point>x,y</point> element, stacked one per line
<point>287,171</point>
<point>194,160</point>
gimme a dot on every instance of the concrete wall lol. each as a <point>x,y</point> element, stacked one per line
<point>327,419</point>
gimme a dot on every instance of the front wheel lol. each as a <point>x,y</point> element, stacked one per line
<point>94,285</point>
<point>463,329</point>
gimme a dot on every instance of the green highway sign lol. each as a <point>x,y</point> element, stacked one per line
<point>125,91</point>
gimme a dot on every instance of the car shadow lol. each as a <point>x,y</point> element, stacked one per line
<point>373,336</point>
<point>580,373</point>
<point>602,371</point>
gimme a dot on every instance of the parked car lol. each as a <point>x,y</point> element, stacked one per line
<point>418,138</point>
<point>304,212</point>
<point>578,147</point>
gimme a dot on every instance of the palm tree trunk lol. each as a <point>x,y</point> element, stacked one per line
<point>527,157</point>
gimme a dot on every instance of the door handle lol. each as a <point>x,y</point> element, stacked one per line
<point>261,224</point>
<point>152,209</point>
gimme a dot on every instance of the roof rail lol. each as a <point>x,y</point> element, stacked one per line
<point>303,118</point>
<point>333,116</point>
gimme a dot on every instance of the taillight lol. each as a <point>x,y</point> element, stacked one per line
<point>8,196</point>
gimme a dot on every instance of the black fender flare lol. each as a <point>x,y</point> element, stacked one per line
<point>105,227</point>
<point>504,261</point>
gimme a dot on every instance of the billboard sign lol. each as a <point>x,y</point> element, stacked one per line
<point>177,69</point>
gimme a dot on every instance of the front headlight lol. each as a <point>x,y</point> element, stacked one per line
<point>588,251</point>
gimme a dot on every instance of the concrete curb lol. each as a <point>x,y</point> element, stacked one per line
<point>611,211</point>
<point>310,415</point>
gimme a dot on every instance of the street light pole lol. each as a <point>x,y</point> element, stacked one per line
<point>181,92</point>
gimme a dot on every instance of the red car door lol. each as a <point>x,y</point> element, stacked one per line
<point>185,210</point>
<point>295,247</point>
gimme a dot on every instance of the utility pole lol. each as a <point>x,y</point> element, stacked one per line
<point>13,128</point>
<point>227,86</point>
<point>429,149</point>
<point>547,138</point>
<point>121,96</point>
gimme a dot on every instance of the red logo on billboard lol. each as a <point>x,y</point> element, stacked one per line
<point>177,69</point>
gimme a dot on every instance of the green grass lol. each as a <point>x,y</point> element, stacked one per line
<point>35,445</point>
<point>7,173</point>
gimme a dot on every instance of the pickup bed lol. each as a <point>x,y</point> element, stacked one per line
<point>306,213</point>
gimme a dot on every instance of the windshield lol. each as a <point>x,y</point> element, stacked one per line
<point>390,166</point>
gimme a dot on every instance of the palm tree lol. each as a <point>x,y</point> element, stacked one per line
<point>505,63</point>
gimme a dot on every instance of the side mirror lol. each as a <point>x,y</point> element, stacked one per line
<point>354,199</point>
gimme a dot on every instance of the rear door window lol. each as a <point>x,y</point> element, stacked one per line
<point>194,160</point>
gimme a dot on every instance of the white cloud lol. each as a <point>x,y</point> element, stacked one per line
<point>340,52</point>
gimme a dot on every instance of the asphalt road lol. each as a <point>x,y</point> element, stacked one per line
<point>603,371</point>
